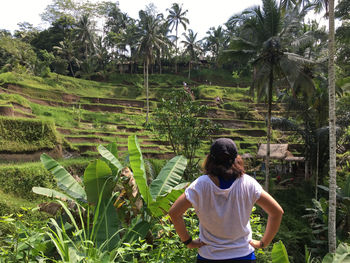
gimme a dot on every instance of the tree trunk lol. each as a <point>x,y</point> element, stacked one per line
<point>71,69</point>
<point>267,159</point>
<point>176,52</point>
<point>160,66</point>
<point>317,166</point>
<point>147,95</point>
<point>189,69</point>
<point>332,135</point>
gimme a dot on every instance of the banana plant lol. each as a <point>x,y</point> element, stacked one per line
<point>166,188</point>
<point>341,255</point>
<point>279,253</point>
<point>343,205</point>
<point>99,179</point>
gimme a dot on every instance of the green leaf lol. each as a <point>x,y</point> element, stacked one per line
<point>163,203</point>
<point>112,147</point>
<point>108,227</point>
<point>96,176</point>
<point>111,158</point>
<point>139,228</point>
<point>169,177</point>
<point>346,188</point>
<point>51,193</point>
<point>64,180</point>
<point>138,168</point>
<point>279,253</point>
<point>328,258</point>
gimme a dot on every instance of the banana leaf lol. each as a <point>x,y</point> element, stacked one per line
<point>138,168</point>
<point>138,228</point>
<point>163,203</point>
<point>279,253</point>
<point>108,229</point>
<point>110,158</point>
<point>169,177</point>
<point>98,179</point>
<point>51,193</point>
<point>65,181</point>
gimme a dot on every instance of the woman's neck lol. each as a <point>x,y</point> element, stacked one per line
<point>215,180</point>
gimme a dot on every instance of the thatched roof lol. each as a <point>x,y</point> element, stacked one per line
<point>247,156</point>
<point>277,151</point>
<point>280,152</point>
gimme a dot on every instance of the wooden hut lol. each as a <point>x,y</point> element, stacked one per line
<point>288,160</point>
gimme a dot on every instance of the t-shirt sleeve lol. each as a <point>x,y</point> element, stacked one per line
<point>192,194</point>
<point>255,190</point>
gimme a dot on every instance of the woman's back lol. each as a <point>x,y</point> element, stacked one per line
<point>224,215</point>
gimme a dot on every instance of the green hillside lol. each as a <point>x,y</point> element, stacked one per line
<point>88,113</point>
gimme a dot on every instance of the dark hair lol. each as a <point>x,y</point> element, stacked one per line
<point>230,170</point>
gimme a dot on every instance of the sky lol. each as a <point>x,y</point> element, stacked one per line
<point>202,14</point>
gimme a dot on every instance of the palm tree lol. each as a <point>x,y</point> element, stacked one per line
<point>332,134</point>
<point>192,46</point>
<point>177,16</point>
<point>85,37</point>
<point>328,6</point>
<point>261,38</point>
<point>150,40</point>
<point>215,42</point>
<point>67,51</point>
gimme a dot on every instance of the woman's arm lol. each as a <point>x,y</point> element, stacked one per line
<point>275,212</point>
<point>176,214</point>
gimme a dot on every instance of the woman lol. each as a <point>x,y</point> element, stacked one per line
<point>223,200</point>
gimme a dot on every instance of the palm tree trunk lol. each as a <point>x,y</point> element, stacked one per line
<point>176,52</point>
<point>267,160</point>
<point>71,69</point>
<point>160,65</point>
<point>317,166</point>
<point>332,135</point>
<point>147,95</point>
<point>189,69</point>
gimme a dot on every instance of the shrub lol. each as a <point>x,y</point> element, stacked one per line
<point>27,135</point>
<point>236,106</point>
<point>20,179</point>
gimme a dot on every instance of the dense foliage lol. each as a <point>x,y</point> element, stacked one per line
<point>271,52</point>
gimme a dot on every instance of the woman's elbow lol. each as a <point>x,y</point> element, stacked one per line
<point>279,212</point>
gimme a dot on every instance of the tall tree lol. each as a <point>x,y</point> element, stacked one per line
<point>177,16</point>
<point>192,47</point>
<point>66,51</point>
<point>215,42</point>
<point>332,133</point>
<point>69,8</point>
<point>150,39</point>
<point>261,39</point>
<point>328,6</point>
<point>343,36</point>
<point>85,35</point>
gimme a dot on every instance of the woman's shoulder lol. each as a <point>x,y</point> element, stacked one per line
<point>249,181</point>
<point>201,180</point>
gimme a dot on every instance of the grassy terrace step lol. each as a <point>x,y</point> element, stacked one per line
<point>65,106</point>
<point>251,132</point>
<point>122,146</point>
<point>93,138</point>
<point>12,204</point>
<point>238,124</point>
<point>125,102</point>
<point>56,87</point>
<point>76,131</point>
<point>89,139</point>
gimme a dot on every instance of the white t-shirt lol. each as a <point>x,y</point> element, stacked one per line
<point>224,215</point>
